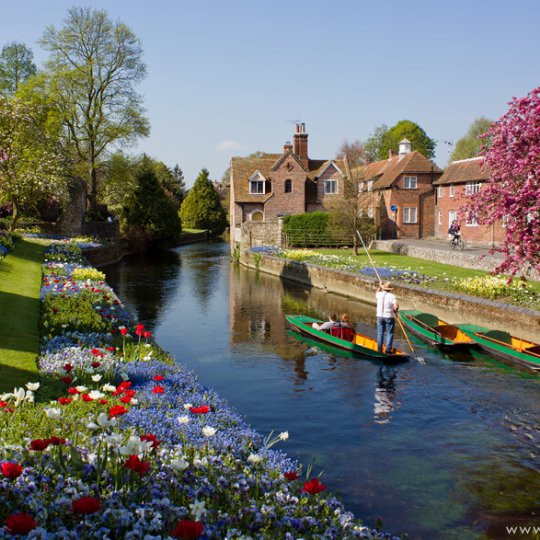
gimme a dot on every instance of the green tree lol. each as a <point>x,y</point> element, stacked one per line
<point>31,164</point>
<point>202,207</point>
<point>470,144</point>
<point>372,145</point>
<point>174,185</point>
<point>149,211</point>
<point>16,66</point>
<point>405,129</point>
<point>92,71</point>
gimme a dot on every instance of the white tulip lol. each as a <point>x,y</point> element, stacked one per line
<point>254,458</point>
<point>96,378</point>
<point>32,386</point>
<point>208,431</point>
<point>284,435</point>
<point>81,389</point>
<point>179,465</point>
<point>96,394</point>
<point>53,413</point>
<point>183,419</point>
<point>108,388</point>
<point>187,406</point>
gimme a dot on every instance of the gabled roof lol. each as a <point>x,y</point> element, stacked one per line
<point>242,168</point>
<point>284,156</point>
<point>465,170</point>
<point>385,172</point>
<point>318,166</point>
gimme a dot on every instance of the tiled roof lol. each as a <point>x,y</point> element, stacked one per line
<point>465,170</point>
<point>385,172</point>
<point>243,168</point>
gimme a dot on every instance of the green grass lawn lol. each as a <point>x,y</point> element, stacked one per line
<point>20,281</point>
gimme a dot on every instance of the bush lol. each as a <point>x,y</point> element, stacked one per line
<point>151,212</point>
<point>307,229</point>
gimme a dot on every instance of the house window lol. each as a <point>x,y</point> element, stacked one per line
<point>409,215</point>
<point>370,212</point>
<point>288,186</point>
<point>472,187</point>
<point>370,185</point>
<point>330,187</point>
<point>471,222</point>
<point>256,187</point>
<point>452,216</point>
<point>439,191</point>
<point>360,187</point>
<point>439,213</point>
<point>504,221</point>
<point>409,182</point>
<point>451,190</point>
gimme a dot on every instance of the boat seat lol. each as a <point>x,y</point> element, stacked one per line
<point>499,335</point>
<point>427,318</point>
<point>347,333</point>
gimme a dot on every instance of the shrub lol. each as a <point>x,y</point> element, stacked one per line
<point>307,229</point>
<point>82,274</point>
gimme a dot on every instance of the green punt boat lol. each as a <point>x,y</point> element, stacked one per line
<point>503,345</point>
<point>430,329</point>
<point>359,344</point>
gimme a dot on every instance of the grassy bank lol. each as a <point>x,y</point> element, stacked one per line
<point>20,279</point>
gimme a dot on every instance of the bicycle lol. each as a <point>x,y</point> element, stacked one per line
<point>457,243</point>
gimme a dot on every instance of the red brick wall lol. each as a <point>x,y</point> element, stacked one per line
<point>422,198</point>
<point>479,234</point>
<point>287,203</point>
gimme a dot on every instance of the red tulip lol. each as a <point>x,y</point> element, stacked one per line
<point>291,475</point>
<point>123,330</point>
<point>65,400</point>
<point>187,529</point>
<point>111,349</point>
<point>73,391</point>
<point>139,329</point>
<point>314,486</point>
<point>203,409</point>
<point>85,505</point>
<point>135,464</point>
<point>158,378</point>
<point>67,379</point>
<point>68,367</point>
<point>20,523</point>
<point>39,444</point>
<point>57,441</point>
<point>158,389</point>
<point>11,470</point>
<point>96,364</point>
<point>117,410</point>
<point>147,334</point>
<point>151,438</point>
<point>86,397</point>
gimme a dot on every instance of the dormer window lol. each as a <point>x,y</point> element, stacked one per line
<point>257,184</point>
<point>288,185</point>
<point>370,185</point>
<point>360,187</point>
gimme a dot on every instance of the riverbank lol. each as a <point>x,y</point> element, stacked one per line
<point>115,426</point>
<point>455,308</point>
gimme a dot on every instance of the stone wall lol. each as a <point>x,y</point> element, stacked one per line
<point>261,233</point>
<point>454,308</point>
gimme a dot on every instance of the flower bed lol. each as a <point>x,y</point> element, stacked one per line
<point>120,442</point>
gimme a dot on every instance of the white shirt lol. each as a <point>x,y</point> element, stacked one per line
<point>385,304</point>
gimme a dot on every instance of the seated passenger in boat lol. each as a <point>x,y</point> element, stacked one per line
<point>328,325</point>
<point>346,329</point>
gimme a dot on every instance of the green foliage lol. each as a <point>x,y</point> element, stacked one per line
<point>62,314</point>
<point>202,207</point>
<point>307,229</point>
<point>149,211</point>
<point>373,143</point>
<point>90,76</point>
<point>470,144</point>
<point>16,65</point>
<point>405,129</point>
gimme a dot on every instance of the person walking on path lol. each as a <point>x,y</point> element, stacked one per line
<point>387,307</point>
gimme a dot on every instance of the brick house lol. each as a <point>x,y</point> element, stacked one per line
<point>273,185</point>
<point>460,180</point>
<point>398,193</point>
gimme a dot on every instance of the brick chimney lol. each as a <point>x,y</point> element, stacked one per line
<point>287,147</point>
<point>391,154</point>
<point>300,143</point>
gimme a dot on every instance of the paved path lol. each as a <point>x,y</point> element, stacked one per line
<point>444,245</point>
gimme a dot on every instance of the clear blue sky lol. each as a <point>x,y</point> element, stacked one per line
<point>230,77</point>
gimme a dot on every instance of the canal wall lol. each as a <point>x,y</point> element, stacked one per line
<point>452,307</point>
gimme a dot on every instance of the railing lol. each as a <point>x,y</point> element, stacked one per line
<point>306,238</point>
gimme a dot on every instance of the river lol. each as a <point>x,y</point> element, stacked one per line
<point>444,450</point>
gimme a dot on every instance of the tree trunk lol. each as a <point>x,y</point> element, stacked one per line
<point>92,196</point>
<point>15,216</point>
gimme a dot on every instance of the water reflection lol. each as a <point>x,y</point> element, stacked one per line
<point>385,394</point>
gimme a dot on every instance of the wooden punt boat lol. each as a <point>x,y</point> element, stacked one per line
<point>359,344</point>
<point>430,329</point>
<point>503,345</point>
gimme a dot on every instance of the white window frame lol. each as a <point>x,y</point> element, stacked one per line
<point>331,182</point>
<point>410,182</point>
<point>410,215</point>
<point>439,192</point>
<point>452,190</point>
<point>253,183</point>
<point>471,222</point>
<point>360,187</point>
<point>472,188</point>
<point>370,185</point>
<point>439,215</point>
<point>452,215</point>
<point>370,212</point>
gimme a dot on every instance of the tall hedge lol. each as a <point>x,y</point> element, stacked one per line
<point>202,208</point>
<point>149,211</point>
<point>307,229</point>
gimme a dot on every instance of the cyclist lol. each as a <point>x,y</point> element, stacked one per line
<point>455,232</point>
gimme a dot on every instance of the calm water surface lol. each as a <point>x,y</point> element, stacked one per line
<point>445,450</point>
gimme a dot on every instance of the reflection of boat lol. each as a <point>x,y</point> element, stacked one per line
<point>359,344</point>
<point>430,329</point>
<point>503,345</point>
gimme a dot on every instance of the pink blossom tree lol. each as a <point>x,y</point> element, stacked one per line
<point>512,194</point>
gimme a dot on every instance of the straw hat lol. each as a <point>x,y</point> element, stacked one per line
<point>387,286</point>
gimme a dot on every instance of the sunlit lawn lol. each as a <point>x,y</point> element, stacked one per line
<point>20,281</point>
